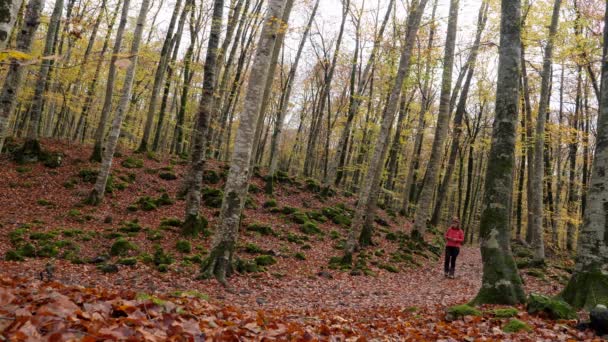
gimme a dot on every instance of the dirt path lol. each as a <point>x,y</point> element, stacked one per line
<point>420,287</point>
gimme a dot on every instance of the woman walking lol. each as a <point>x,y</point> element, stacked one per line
<point>454,237</point>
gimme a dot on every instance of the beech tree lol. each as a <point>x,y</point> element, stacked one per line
<point>8,16</point>
<point>588,285</point>
<point>14,78</point>
<point>501,283</point>
<point>219,262</point>
<point>98,192</point>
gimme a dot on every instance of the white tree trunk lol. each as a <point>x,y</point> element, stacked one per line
<point>16,72</point>
<point>9,9</point>
<point>235,190</point>
<point>108,154</point>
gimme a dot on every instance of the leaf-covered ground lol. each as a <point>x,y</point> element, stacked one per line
<point>155,295</point>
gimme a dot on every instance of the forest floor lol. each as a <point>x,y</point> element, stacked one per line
<point>149,291</point>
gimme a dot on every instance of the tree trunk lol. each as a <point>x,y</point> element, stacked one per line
<point>16,72</point>
<point>159,76</point>
<point>284,105</point>
<point>109,93</point>
<point>335,168</point>
<point>536,202</point>
<point>460,112</point>
<point>193,224</point>
<point>32,145</point>
<point>8,17</point>
<point>372,178</point>
<point>410,180</point>
<point>235,190</point>
<point>312,141</point>
<point>501,283</point>
<point>588,285</point>
<point>97,194</point>
<point>572,187</point>
<point>430,178</point>
<point>175,42</point>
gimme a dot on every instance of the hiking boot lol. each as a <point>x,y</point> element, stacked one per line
<point>446,274</point>
<point>451,275</point>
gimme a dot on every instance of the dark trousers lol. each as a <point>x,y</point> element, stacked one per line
<point>450,259</point>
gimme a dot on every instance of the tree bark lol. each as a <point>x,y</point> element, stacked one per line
<point>284,105</point>
<point>372,178</point>
<point>159,76</point>
<point>97,194</point>
<point>109,92</point>
<point>460,112</point>
<point>501,283</point>
<point>194,180</point>
<point>41,82</point>
<point>430,179</point>
<point>539,142</point>
<point>16,72</point>
<point>588,285</point>
<point>224,241</point>
<point>8,16</point>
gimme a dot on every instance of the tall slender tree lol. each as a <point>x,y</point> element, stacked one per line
<point>219,262</point>
<point>16,72</point>
<point>98,192</point>
<point>372,178</point>
<point>501,283</point>
<point>536,202</point>
<point>193,223</point>
<point>443,118</point>
<point>31,148</point>
<point>588,285</point>
<point>8,17</point>
<point>111,79</point>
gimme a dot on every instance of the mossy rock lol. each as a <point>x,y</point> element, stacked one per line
<point>146,203</point>
<point>514,326</point>
<point>72,232</point>
<point>536,273</point>
<point>161,258</point>
<point>130,227</point>
<point>389,268</point>
<point>13,255</point>
<point>170,222</point>
<point>553,308</point>
<point>317,216</point>
<point>163,268</point>
<point>88,176</point>
<point>122,247</point>
<point>169,176</point>
<point>107,268</point>
<point>164,199</point>
<point>261,228</point>
<point>252,248</point>
<point>312,185</point>
<point>47,250</point>
<point>45,203</point>
<point>250,203</point>
<point>504,312</point>
<point>459,311</point>
<point>246,266</point>
<point>270,204</point>
<point>310,228</point>
<point>213,197</point>
<point>288,210</point>
<point>128,261</point>
<point>334,235</point>
<point>211,177</point>
<point>282,177</point>
<point>299,217</point>
<point>132,163</point>
<point>300,256</point>
<point>183,246</point>
<point>265,260</point>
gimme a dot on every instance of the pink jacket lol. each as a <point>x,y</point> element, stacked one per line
<point>454,237</point>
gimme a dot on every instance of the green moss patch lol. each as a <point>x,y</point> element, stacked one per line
<point>553,308</point>
<point>514,326</point>
<point>122,247</point>
<point>310,228</point>
<point>132,163</point>
<point>460,311</point>
<point>213,197</point>
<point>504,312</point>
<point>261,229</point>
